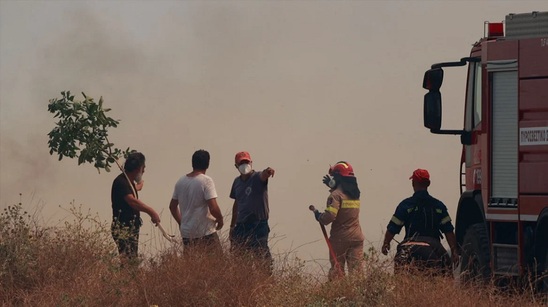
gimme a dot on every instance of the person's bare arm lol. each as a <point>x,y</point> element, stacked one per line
<point>216,212</point>
<point>234,215</point>
<point>137,204</point>
<point>388,236</point>
<point>452,240</point>
<point>175,212</point>
<point>266,173</point>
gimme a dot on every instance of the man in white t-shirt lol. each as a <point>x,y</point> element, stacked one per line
<point>194,206</point>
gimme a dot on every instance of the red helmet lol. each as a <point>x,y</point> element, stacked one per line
<point>342,168</point>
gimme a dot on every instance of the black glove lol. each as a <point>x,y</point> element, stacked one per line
<point>326,180</point>
<point>317,215</point>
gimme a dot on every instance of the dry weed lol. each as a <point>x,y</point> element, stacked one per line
<point>77,265</point>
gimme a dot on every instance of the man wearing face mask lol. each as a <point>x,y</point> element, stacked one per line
<point>249,226</point>
<point>343,210</point>
<point>126,207</point>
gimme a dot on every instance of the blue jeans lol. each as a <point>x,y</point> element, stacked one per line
<point>209,243</point>
<point>253,237</point>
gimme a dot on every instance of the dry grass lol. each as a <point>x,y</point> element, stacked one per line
<point>76,265</point>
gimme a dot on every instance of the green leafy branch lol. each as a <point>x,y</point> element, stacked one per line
<point>82,132</point>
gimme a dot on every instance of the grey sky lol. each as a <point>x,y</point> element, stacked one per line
<point>300,85</point>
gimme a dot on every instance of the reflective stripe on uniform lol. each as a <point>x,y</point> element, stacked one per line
<point>445,220</point>
<point>415,243</point>
<point>438,211</point>
<point>350,204</point>
<point>396,220</point>
<point>332,210</point>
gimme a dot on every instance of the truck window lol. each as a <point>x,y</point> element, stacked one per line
<point>477,95</point>
<point>473,97</point>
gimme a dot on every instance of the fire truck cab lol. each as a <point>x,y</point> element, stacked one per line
<point>502,214</point>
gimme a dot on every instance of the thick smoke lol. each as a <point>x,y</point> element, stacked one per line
<point>299,85</point>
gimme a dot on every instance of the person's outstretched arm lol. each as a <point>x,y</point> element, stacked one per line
<point>266,173</point>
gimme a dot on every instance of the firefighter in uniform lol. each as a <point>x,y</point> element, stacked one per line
<point>425,219</point>
<point>343,210</point>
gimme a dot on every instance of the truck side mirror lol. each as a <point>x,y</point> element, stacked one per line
<point>432,110</point>
<point>433,78</point>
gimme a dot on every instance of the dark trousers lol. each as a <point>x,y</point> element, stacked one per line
<point>253,238</point>
<point>209,243</point>
<point>126,239</point>
<point>423,253</point>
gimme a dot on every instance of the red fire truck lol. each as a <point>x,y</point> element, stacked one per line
<point>502,214</point>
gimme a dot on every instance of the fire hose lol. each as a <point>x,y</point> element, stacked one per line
<point>331,251</point>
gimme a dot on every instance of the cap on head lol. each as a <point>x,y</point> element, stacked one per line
<point>420,175</point>
<point>342,168</point>
<point>241,156</point>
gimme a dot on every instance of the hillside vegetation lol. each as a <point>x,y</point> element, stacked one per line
<point>77,265</point>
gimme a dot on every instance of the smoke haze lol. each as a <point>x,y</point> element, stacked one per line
<point>300,85</point>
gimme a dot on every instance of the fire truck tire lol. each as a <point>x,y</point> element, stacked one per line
<point>545,277</point>
<point>475,254</point>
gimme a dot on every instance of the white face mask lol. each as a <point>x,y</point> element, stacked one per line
<point>244,168</point>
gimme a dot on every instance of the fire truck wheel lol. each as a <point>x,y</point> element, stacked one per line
<point>475,254</point>
<point>545,277</point>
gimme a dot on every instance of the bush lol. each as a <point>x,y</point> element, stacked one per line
<point>77,265</point>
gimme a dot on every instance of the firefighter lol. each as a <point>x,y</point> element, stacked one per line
<point>425,219</point>
<point>343,210</point>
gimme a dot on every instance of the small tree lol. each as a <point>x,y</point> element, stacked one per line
<point>83,123</point>
<point>82,132</point>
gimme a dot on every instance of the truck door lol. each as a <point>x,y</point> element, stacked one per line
<point>472,124</point>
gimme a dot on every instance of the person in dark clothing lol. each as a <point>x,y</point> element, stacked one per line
<point>425,219</point>
<point>249,228</point>
<point>126,207</point>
